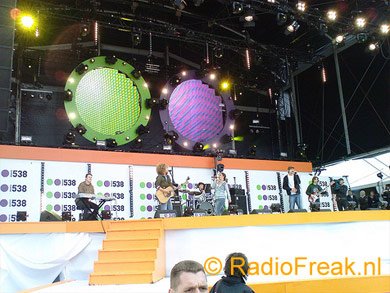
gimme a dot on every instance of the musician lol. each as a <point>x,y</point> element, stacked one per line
<point>163,181</point>
<point>202,196</point>
<point>341,195</point>
<point>86,203</point>
<point>221,193</point>
<point>313,190</point>
<point>291,183</point>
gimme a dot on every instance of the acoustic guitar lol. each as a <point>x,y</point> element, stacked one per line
<point>164,194</point>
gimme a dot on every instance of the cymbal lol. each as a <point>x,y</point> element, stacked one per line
<point>194,192</point>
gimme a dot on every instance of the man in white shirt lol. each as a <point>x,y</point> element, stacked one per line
<point>291,183</point>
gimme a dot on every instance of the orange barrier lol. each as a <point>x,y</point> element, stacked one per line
<point>109,157</point>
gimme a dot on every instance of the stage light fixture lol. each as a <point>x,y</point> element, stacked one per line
<point>184,73</point>
<point>380,175</point>
<point>81,129</point>
<point>373,47</point>
<point>81,68</point>
<point>362,37</point>
<point>301,6</point>
<point>271,1</point>
<point>111,143</point>
<point>136,38</point>
<point>384,29</point>
<point>111,60</point>
<point>106,215</point>
<point>142,129</point>
<point>252,150</point>
<point>292,28</point>
<point>136,73</point>
<point>49,97</point>
<point>66,216</point>
<point>237,7</point>
<point>163,104</point>
<point>84,30</point>
<point>27,21</point>
<point>360,22</point>
<point>21,216</point>
<point>69,138</point>
<point>249,18</point>
<point>234,114</point>
<point>225,85</point>
<point>175,81</point>
<point>323,29</point>
<point>26,139</point>
<point>331,15</point>
<point>198,147</point>
<point>281,18</point>
<point>339,39</point>
<point>218,52</point>
<point>170,137</point>
<point>151,103</point>
<point>179,4</point>
<point>164,91</point>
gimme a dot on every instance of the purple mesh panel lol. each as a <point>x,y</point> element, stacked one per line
<point>194,110</point>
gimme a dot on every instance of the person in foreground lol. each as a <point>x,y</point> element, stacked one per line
<point>188,276</point>
<point>236,273</point>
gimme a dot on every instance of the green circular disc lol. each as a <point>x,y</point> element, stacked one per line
<point>108,100</point>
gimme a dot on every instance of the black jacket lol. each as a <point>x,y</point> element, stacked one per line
<point>231,285</point>
<point>297,181</point>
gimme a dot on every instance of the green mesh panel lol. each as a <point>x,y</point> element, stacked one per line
<point>108,101</point>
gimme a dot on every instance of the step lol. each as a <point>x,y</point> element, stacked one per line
<point>132,243</point>
<point>123,265</point>
<point>136,254</point>
<point>134,234</point>
<point>136,224</point>
<point>121,278</point>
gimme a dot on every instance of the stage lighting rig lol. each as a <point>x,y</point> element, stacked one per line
<point>237,7</point>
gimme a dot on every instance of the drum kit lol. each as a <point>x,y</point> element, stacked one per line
<point>195,201</point>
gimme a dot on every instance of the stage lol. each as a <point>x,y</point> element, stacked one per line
<point>70,249</point>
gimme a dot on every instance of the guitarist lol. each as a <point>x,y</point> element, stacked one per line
<point>164,184</point>
<point>313,191</point>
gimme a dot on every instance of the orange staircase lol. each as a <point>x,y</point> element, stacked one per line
<point>133,253</point>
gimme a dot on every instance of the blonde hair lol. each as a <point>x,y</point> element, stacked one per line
<point>160,169</point>
<point>362,193</point>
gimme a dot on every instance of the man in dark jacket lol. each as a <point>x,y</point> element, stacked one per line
<point>236,272</point>
<point>341,195</point>
<point>291,183</point>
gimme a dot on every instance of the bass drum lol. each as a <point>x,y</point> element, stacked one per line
<point>208,207</point>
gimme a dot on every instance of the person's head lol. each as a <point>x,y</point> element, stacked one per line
<point>222,176</point>
<point>188,276</point>
<point>201,186</point>
<point>372,193</point>
<point>236,265</point>
<point>162,169</point>
<point>362,193</point>
<point>290,170</point>
<point>315,180</point>
<point>88,178</point>
<point>341,181</point>
<point>350,192</point>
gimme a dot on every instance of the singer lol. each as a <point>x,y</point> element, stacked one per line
<point>164,186</point>
<point>221,192</point>
<point>291,183</point>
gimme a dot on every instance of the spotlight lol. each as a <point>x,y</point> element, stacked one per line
<point>252,150</point>
<point>27,21</point>
<point>164,91</point>
<point>21,216</point>
<point>361,37</point>
<point>179,4</point>
<point>111,60</point>
<point>198,147</point>
<point>220,168</point>
<point>360,22</point>
<point>212,76</point>
<point>26,139</point>
<point>301,6</point>
<point>384,29</point>
<point>81,129</point>
<point>175,81</point>
<point>249,18</point>
<point>49,97</point>
<point>271,1</point>
<point>101,143</point>
<point>331,15</point>
<point>323,29</point>
<point>66,216</point>
<point>81,68</point>
<point>339,39</point>
<point>170,138</point>
<point>84,30</point>
<point>69,138</point>
<point>281,18</point>
<point>136,73</point>
<point>136,38</point>
<point>237,7</point>
<point>225,85</point>
<point>106,215</point>
<point>234,114</point>
<point>292,28</point>
<point>218,52</point>
<point>151,103</point>
<point>163,104</point>
<point>372,47</point>
<point>111,143</point>
<point>380,175</point>
<point>142,129</point>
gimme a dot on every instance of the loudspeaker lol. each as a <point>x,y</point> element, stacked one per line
<point>49,217</point>
<point>297,211</point>
<point>236,191</point>
<point>21,216</point>
<point>66,216</point>
<point>241,202</point>
<point>256,211</point>
<point>200,213</point>
<point>165,214</point>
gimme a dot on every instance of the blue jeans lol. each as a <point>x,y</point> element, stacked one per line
<point>219,206</point>
<point>295,198</point>
<point>166,206</point>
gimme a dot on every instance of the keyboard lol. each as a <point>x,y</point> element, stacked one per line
<point>95,196</point>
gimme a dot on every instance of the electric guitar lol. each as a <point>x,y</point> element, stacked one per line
<point>164,194</point>
<point>314,196</point>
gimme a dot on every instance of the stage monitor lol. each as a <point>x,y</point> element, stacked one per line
<point>165,214</point>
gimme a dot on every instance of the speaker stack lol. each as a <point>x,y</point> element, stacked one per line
<point>239,199</point>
